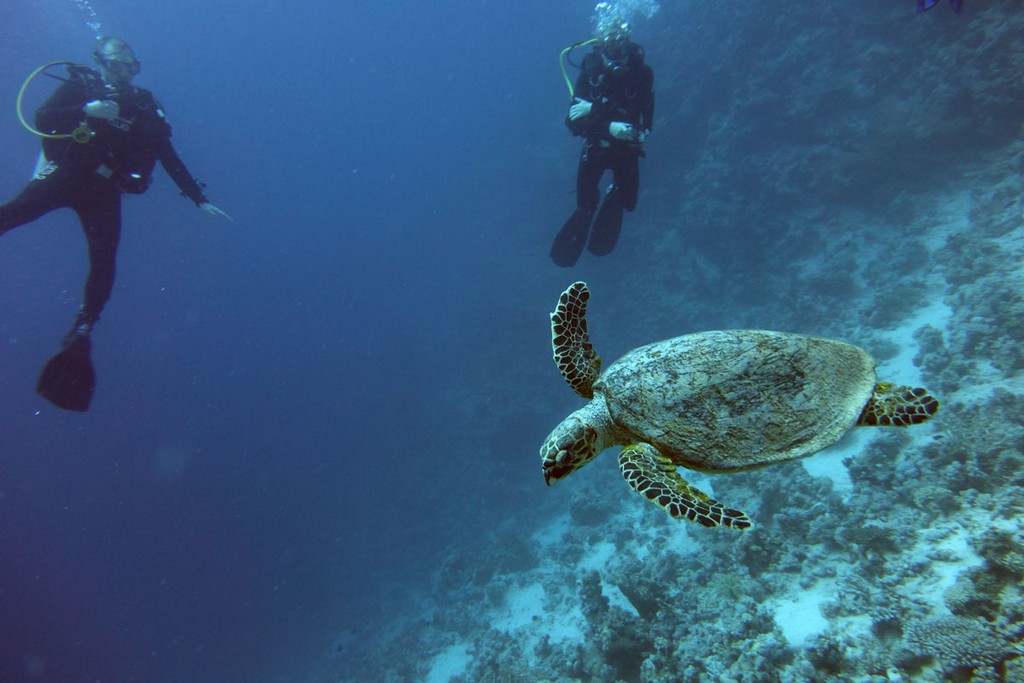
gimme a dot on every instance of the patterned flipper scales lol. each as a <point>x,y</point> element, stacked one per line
<point>894,405</point>
<point>570,343</point>
<point>654,477</point>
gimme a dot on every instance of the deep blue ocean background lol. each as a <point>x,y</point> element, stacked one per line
<point>299,413</point>
<point>269,444</point>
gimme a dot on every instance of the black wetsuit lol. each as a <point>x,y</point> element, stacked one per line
<point>620,90</point>
<point>90,177</point>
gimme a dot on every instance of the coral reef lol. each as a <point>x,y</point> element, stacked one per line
<point>960,643</point>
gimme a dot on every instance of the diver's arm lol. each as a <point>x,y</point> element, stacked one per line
<point>188,185</point>
<point>175,168</point>
<point>647,111</point>
<point>602,113</point>
<point>588,125</point>
<point>62,111</point>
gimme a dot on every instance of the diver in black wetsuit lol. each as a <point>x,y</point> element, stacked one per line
<point>119,134</point>
<point>613,111</point>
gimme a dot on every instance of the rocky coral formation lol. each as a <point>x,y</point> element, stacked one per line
<point>958,642</point>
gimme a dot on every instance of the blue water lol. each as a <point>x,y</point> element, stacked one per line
<point>269,443</point>
<point>300,411</point>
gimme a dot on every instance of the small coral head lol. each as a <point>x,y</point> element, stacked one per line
<point>569,447</point>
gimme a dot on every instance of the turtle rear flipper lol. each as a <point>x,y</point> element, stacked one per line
<point>893,405</point>
<point>654,477</point>
<point>570,342</point>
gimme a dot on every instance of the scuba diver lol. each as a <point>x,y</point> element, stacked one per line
<point>102,137</point>
<point>612,109</point>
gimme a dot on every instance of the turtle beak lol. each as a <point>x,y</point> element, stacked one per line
<point>554,472</point>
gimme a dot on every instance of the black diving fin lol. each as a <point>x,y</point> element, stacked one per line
<point>571,239</point>
<point>69,380</point>
<point>607,225</point>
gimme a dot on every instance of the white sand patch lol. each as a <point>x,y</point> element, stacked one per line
<point>521,607</point>
<point>985,379</point>
<point>653,539</point>
<point>560,628</point>
<point>829,462</point>
<point>597,557</point>
<point>956,209</point>
<point>950,542</point>
<point>552,534</point>
<point>855,628</point>
<point>449,663</point>
<point>799,616</point>
<point>677,536</point>
<point>616,598</point>
<point>901,368</point>
<point>946,573</point>
<point>526,612</point>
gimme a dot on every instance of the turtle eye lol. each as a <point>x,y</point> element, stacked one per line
<point>562,458</point>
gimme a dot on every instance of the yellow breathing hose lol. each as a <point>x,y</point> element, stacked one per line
<point>561,63</point>
<point>81,134</point>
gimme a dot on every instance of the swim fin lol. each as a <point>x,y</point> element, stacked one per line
<point>68,380</point>
<point>570,240</point>
<point>607,225</point>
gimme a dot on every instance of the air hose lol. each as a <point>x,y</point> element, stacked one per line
<point>82,134</point>
<point>561,63</point>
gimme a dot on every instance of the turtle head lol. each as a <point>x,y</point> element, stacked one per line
<point>571,446</point>
<point>577,441</point>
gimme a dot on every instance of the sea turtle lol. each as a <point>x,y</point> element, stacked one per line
<point>716,401</point>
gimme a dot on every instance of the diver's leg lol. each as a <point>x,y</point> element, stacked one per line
<point>621,196</point>
<point>588,176</point>
<point>100,214</point>
<point>40,196</point>
<point>571,239</point>
<point>627,180</point>
<point>607,224</point>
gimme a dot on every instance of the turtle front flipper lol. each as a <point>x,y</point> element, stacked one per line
<point>570,343</point>
<point>894,405</point>
<point>654,477</point>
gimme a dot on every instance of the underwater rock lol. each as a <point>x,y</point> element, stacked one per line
<point>871,537</point>
<point>761,550</point>
<point>966,260</point>
<point>956,641</point>
<point>511,555</point>
<point>936,501</point>
<point>974,594</point>
<point>826,654</point>
<point>932,354</point>
<point>645,597</point>
<point>617,643</point>
<point>593,601</point>
<point>589,509</point>
<point>891,305</point>
<point>1005,550</point>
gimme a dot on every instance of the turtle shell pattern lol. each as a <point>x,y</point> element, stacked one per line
<point>737,399</point>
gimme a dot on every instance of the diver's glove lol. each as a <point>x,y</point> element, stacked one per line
<point>579,109</point>
<point>102,109</point>
<point>625,132</point>
<point>214,211</point>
